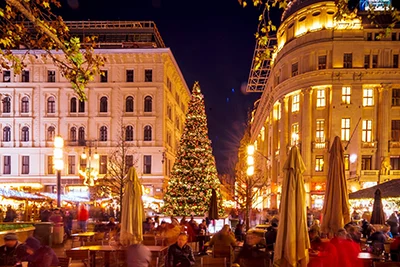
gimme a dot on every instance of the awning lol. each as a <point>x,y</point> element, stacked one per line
<point>388,189</point>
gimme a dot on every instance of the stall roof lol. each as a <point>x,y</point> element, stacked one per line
<point>388,189</point>
<point>13,194</point>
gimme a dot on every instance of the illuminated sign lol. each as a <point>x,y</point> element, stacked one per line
<point>376,4</point>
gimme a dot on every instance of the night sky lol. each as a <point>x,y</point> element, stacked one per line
<point>213,43</point>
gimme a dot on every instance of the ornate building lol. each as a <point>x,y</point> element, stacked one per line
<point>142,90</point>
<point>328,78</point>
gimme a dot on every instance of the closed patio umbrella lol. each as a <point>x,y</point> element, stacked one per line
<point>378,216</point>
<point>336,211</point>
<point>213,208</point>
<point>132,213</point>
<point>292,242</point>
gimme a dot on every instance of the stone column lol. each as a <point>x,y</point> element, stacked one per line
<point>306,137</point>
<point>283,134</point>
<point>383,123</point>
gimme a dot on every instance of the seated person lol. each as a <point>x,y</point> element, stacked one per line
<point>250,254</point>
<point>270,236</point>
<point>223,238</point>
<point>39,256</point>
<point>239,234</point>
<point>354,233</point>
<point>315,240</point>
<point>111,224</point>
<point>180,254</point>
<point>12,251</point>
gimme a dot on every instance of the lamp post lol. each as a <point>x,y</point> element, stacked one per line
<point>58,164</point>
<point>89,174</point>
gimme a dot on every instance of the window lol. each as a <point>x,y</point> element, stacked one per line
<point>81,106</point>
<point>51,105</point>
<point>147,164</point>
<point>322,62</point>
<point>366,162</point>
<point>366,131</point>
<point>321,101</point>
<point>6,134</point>
<point>374,61</point>
<point>6,76</point>
<point>103,133</point>
<point>169,138</point>
<point>51,76</point>
<point>367,60</point>
<point>169,112</point>
<point>169,84</point>
<point>147,133</point>
<point>296,103</point>
<point>129,133</point>
<point>395,163</point>
<point>82,164</point>
<point>346,94</point>
<point>148,75</point>
<point>128,162</point>
<point>129,104</point>
<point>346,162</point>
<point>395,61</point>
<point>347,60</point>
<point>148,104</point>
<point>368,97</point>
<point>103,104</point>
<point>71,164</point>
<point>51,132</point>
<point>395,97</point>
<point>319,163</point>
<point>25,104</point>
<point>81,136</point>
<point>7,165</point>
<point>25,76</point>
<point>129,76</point>
<point>369,36</point>
<point>320,131</point>
<point>178,123</point>
<point>104,76</point>
<point>25,165</point>
<point>72,134</point>
<point>396,130</point>
<point>295,69</point>
<point>295,134</point>
<point>103,164</point>
<point>394,36</point>
<point>345,129</point>
<point>6,104</point>
<point>25,134</point>
<point>50,165</point>
<point>72,105</point>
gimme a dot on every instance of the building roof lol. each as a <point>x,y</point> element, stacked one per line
<point>296,5</point>
<point>388,189</point>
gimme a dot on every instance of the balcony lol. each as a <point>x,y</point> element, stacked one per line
<point>320,145</point>
<point>373,144</point>
<point>394,145</point>
<point>369,176</point>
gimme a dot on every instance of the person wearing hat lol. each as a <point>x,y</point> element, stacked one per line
<point>39,256</point>
<point>12,251</point>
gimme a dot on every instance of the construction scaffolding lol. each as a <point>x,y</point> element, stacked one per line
<point>259,72</point>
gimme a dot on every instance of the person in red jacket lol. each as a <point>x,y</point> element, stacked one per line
<point>83,216</point>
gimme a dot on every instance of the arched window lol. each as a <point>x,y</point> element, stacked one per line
<point>148,104</point>
<point>51,132</point>
<point>129,104</point>
<point>25,104</point>
<point>72,106</point>
<point>81,106</point>
<point>103,104</point>
<point>129,133</point>
<point>51,105</point>
<point>103,133</point>
<point>72,134</point>
<point>147,133</point>
<point>6,134</point>
<point>81,135</point>
<point>25,134</point>
<point>7,104</point>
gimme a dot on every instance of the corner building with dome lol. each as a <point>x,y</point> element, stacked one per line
<point>329,78</point>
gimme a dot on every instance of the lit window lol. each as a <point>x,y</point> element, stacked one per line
<point>296,103</point>
<point>321,101</point>
<point>319,163</point>
<point>345,129</point>
<point>368,97</point>
<point>295,134</point>
<point>50,165</point>
<point>346,94</point>
<point>366,131</point>
<point>320,131</point>
<point>346,162</point>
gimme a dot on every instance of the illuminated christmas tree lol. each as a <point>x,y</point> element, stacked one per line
<point>194,173</point>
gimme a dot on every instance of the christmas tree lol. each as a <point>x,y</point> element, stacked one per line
<point>194,173</point>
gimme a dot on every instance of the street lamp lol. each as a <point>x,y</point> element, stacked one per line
<point>58,164</point>
<point>89,174</point>
<point>250,160</point>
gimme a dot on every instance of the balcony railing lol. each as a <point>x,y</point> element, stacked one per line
<point>369,172</point>
<point>320,145</point>
<point>373,144</point>
<point>395,172</point>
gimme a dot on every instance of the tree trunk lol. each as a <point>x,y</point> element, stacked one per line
<point>247,212</point>
<point>120,202</point>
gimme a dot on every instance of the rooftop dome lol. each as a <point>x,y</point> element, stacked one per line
<point>296,5</point>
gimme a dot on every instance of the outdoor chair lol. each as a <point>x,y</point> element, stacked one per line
<point>64,261</point>
<point>223,252</point>
<point>387,264</point>
<point>213,262</point>
<point>99,236</point>
<point>79,257</point>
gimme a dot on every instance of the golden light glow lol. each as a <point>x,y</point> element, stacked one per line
<point>58,153</point>
<point>84,156</point>
<point>14,185</point>
<point>250,170</point>
<point>96,156</point>
<point>318,187</point>
<point>250,150</point>
<point>58,164</point>
<point>250,160</point>
<point>58,142</point>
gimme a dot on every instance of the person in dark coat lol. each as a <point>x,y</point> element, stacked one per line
<point>10,214</point>
<point>39,256</point>
<point>180,254</point>
<point>270,236</point>
<point>12,251</point>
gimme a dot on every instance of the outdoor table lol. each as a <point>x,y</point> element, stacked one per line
<point>368,258</point>
<point>101,248</point>
<point>158,252</point>
<point>83,236</point>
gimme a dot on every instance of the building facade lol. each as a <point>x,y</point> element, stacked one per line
<point>142,98</point>
<point>330,78</point>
